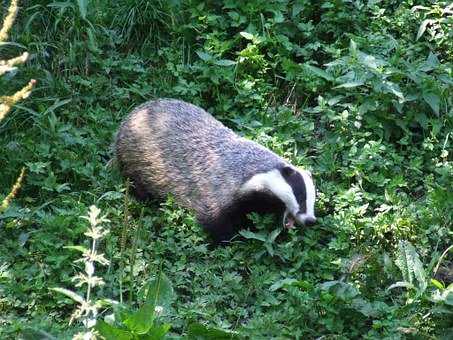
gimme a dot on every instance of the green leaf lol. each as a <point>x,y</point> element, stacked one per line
<point>160,291</point>
<point>401,284</point>
<point>281,283</point>
<point>74,296</point>
<point>274,234</point>
<point>449,297</point>
<point>251,235</point>
<point>269,248</point>
<point>82,249</point>
<point>110,332</point>
<point>160,295</point>
<point>437,284</point>
<point>350,84</point>
<point>33,334</point>
<point>319,72</point>
<point>422,27</point>
<point>247,35</point>
<point>157,332</point>
<point>342,290</point>
<point>204,56</point>
<point>353,48</point>
<point>83,5</point>
<point>368,309</point>
<point>410,265</point>
<point>225,62</point>
<point>433,101</point>
<point>393,88</point>
<point>141,321</point>
<point>201,332</point>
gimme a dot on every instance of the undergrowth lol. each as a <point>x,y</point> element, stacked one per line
<point>359,92</point>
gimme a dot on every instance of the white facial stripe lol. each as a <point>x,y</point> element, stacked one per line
<point>274,182</point>
<point>311,193</point>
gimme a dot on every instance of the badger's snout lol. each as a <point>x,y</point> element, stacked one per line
<point>305,219</point>
<point>309,221</point>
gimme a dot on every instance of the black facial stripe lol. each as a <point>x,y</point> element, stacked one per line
<point>297,184</point>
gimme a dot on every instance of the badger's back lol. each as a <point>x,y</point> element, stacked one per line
<point>170,146</point>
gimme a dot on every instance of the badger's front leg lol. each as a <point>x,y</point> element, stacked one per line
<point>220,230</point>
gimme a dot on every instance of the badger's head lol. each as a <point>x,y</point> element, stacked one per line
<point>293,187</point>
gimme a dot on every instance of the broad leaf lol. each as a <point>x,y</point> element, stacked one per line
<point>410,265</point>
<point>251,235</point>
<point>74,296</point>
<point>422,27</point>
<point>350,85</point>
<point>282,283</point>
<point>110,332</point>
<point>225,62</point>
<point>157,332</point>
<point>342,290</point>
<point>319,72</point>
<point>160,291</point>
<point>433,101</point>
<point>200,332</point>
<point>204,56</point>
<point>141,321</point>
<point>83,4</point>
<point>401,284</point>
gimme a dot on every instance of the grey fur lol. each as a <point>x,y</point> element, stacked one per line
<point>170,146</point>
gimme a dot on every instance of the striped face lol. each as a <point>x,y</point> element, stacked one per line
<point>304,192</point>
<point>294,188</point>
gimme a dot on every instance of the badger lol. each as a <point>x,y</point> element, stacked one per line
<point>168,146</point>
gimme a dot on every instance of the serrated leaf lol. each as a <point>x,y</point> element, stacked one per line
<point>422,27</point>
<point>430,63</point>
<point>319,72</point>
<point>281,283</point>
<point>274,234</point>
<point>204,56</point>
<point>410,265</point>
<point>225,62</point>
<point>433,101</point>
<point>74,296</point>
<point>393,88</point>
<point>401,284</point>
<point>251,235</point>
<point>342,290</point>
<point>350,84</point>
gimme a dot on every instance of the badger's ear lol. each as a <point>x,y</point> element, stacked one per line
<point>287,171</point>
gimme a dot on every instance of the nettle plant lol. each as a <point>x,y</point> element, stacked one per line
<point>383,89</point>
<point>9,66</point>
<point>125,323</point>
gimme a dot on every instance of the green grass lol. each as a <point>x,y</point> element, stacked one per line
<point>343,88</point>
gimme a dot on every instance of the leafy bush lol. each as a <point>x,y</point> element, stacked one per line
<point>357,91</point>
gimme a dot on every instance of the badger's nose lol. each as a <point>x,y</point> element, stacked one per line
<point>309,221</point>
